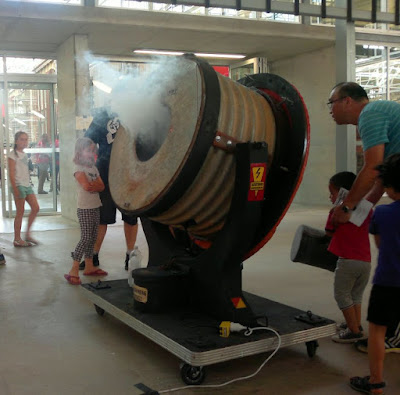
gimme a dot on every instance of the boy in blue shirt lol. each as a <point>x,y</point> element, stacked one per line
<point>386,282</point>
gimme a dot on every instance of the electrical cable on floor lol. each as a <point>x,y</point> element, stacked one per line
<point>248,332</point>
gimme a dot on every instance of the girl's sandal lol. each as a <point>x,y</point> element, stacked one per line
<point>73,280</point>
<point>22,243</point>
<point>362,384</point>
<point>32,240</point>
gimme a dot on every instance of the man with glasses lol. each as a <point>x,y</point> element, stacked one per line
<point>378,124</point>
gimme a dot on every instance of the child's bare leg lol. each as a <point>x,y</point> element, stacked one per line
<point>20,208</point>
<point>89,268</point>
<point>73,276</point>
<point>75,269</point>
<point>376,353</point>
<point>130,235</point>
<point>350,315</point>
<point>100,237</point>
<point>33,203</point>
<point>357,308</point>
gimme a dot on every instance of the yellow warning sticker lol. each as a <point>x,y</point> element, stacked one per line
<point>258,173</point>
<point>140,294</point>
<point>257,181</point>
<point>256,186</point>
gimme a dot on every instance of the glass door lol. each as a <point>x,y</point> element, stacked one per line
<point>248,67</point>
<point>30,107</point>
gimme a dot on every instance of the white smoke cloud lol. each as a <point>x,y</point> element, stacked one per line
<point>138,98</point>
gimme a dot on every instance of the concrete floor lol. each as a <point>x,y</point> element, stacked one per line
<point>53,342</point>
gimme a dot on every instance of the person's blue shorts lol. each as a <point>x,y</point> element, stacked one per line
<point>108,210</point>
<point>24,191</point>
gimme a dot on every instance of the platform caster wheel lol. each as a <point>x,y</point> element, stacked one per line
<point>99,310</point>
<point>312,348</point>
<point>192,375</point>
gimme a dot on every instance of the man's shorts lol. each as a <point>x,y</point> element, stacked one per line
<point>383,308</point>
<point>108,210</point>
<point>24,191</point>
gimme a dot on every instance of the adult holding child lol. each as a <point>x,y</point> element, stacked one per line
<point>378,124</point>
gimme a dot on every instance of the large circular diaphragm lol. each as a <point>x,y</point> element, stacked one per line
<point>175,175</point>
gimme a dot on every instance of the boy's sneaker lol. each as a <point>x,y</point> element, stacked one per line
<point>362,345</point>
<point>126,261</point>
<point>2,259</point>
<point>343,326</point>
<point>347,336</point>
<point>95,262</point>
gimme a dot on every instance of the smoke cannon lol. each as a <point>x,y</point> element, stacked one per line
<point>221,167</point>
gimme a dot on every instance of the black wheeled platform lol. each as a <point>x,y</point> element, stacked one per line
<point>194,337</point>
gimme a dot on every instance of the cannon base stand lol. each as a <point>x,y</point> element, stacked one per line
<point>211,286</point>
<point>194,337</point>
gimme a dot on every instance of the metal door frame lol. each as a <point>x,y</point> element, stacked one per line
<point>44,82</point>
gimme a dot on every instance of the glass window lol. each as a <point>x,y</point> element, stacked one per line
<point>394,74</point>
<point>69,2</point>
<point>391,7</point>
<point>240,72</point>
<point>29,110</point>
<point>371,70</point>
<point>30,66</point>
<point>322,21</point>
<point>124,4</point>
<point>371,74</point>
<point>211,11</point>
<point>270,16</point>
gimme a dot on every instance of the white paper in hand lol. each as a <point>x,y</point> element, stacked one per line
<point>359,215</point>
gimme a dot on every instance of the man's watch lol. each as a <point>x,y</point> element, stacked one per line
<point>346,209</point>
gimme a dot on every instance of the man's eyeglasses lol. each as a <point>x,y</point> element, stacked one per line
<point>330,102</point>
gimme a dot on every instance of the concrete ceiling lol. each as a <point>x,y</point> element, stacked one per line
<point>41,28</point>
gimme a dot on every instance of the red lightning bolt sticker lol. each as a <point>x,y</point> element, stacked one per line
<point>257,181</point>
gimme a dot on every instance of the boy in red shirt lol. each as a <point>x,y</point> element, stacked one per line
<point>351,244</point>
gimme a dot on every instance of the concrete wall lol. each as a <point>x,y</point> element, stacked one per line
<point>73,84</point>
<point>313,74</point>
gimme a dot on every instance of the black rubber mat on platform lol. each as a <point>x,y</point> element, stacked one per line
<point>198,332</point>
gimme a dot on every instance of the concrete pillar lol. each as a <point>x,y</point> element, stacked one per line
<point>74,102</point>
<point>346,158</point>
<point>314,84</point>
<point>306,20</point>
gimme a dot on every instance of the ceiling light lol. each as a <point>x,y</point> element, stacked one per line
<point>103,87</point>
<point>38,114</point>
<point>154,52</point>
<point>220,55</point>
<point>199,54</point>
